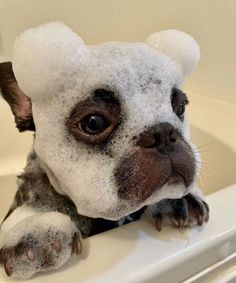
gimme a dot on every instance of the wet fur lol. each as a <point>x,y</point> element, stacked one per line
<point>44,225</point>
<point>36,191</point>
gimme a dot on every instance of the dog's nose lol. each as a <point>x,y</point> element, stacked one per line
<point>163,136</point>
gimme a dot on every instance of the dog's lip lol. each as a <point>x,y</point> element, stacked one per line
<point>176,178</point>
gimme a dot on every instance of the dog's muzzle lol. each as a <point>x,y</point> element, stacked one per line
<point>160,156</point>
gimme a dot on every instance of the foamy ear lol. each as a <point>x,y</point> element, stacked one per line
<point>44,56</point>
<point>179,46</point>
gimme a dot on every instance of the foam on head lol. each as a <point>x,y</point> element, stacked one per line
<point>57,70</point>
<point>43,55</point>
<point>179,46</point>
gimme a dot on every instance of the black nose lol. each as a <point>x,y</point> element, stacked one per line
<point>163,136</point>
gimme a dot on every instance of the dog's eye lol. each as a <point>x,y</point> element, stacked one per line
<point>94,124</point>
<point>94,120</point>
<point>181,109</point>
<point>178,101</point>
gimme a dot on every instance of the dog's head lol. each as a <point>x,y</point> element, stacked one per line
<point>111,131</point>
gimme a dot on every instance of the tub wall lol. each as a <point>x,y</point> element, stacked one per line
<point>211,22</point>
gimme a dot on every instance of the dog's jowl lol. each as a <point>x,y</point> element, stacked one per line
<point>111,140</point>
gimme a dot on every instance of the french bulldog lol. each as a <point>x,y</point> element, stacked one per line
<point>111,140</point>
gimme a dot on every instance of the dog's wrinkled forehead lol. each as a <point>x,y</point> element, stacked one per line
<point>131,66</point>
<point>135,73</point>
<point>139,76</point>
<point>57,70</point>
<point>127,69</point>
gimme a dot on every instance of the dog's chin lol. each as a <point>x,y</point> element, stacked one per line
<point>176,178</point>
<point>116,208</point>
<point>174,188</point>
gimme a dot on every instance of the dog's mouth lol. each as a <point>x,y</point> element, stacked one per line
<point>144,172</point>
<point>176,178</point>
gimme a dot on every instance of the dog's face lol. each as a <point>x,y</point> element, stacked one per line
<point>111,129</point>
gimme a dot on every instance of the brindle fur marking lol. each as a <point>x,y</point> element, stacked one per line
<point>36,191</point>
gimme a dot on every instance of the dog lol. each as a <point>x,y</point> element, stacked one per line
<point>111,140</point>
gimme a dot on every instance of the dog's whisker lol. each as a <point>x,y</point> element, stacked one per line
<point>203,151</point>
<point>200,152</point>
<point>105,191</point>
<point>96,182</point>
<point>201,178</point>
<point>204,145</point>
<point>204,167</point>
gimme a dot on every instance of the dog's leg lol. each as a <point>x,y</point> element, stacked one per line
<point>37,234</point>
<point>33,241</point>
<point>42,228</point>
<point>189,210</point>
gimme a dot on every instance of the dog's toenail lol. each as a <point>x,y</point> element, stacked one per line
<point>30,254</point>
<point>200,220</point>
<point>158,224</point>
<point>77,247</point>
<point>206,217</point>
<point>7,267</point>
<point>57,246</point>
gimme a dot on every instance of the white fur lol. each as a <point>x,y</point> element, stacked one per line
<point>56,69</point>
<point>26,220</point>
<point>16,216</point>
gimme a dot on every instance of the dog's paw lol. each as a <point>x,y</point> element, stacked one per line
<point>189,210</point>
<point>38,243</point>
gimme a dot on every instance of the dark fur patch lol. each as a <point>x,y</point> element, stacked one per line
<point>182,212</point>
<point>161,156</point>
<point>26,124</point>
<point>178,99</point>
<point>37,192</point>
<point>19,102</point>
<point>102,103</point>
<point>139,174</point>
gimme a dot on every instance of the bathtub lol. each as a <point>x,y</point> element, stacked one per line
<point>137,252</point>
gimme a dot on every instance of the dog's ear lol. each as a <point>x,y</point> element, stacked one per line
<point>19,102</point>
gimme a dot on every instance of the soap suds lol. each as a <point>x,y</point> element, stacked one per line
<point>38,231</point>
<point>57,70</point>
